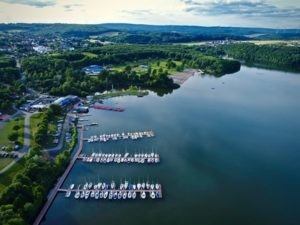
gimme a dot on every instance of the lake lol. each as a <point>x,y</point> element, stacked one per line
<point>229,147</point>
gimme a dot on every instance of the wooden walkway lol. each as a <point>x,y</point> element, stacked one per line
<point>53,194</point>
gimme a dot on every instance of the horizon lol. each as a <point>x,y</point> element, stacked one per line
<point>273,14</point>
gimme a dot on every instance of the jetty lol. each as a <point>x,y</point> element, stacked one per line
<point>103,158</point>
<point>120,136</point>
<point>111,191</point>
<point>59,183</point>
<point>109,108</point>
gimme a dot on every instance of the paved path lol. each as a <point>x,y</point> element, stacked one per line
<point>53,194</point>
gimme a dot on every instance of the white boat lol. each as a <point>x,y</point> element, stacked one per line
<point>143,195</point>
<point>77,195</point>
<point>157,186</point>
<point>68,193</point>
<point>112,185</point>
<point>110,195</point>
<point>97,194</point>
<point>82,194</point>
<point>152,195</point>
<point>129,195</point>
<point>85,186</point>
<point>152,186</point>
<point>71,186</point>
<point>92,194</point>
<point>105,194</point>
<point>101,194</point>
<point>138,186</point>
<point>90,185</point>
<point>124,195</point>
<point>133,195</point>
<point>119,195</point>
<point>126,184</point>
<point>87,194</point>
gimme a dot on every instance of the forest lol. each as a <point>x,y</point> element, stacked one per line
<point>11,88</point>
<point>61,73</point>
<point>276,56</point>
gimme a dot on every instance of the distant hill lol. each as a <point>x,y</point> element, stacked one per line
<point>140,33</point>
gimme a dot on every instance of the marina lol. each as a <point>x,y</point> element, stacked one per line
<point>111,191</point>
<point>120,136</point>
<point>142,158</point>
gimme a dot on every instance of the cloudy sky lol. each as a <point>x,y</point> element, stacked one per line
<point>254,13</point>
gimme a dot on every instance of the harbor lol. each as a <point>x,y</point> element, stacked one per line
<point>103,158</point>
<point>120,136</point>
<point>111,191</point>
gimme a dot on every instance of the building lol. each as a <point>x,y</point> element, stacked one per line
<point>42,49</point>
<point>82,109</point>
<point>68,100</point>
<point>93,70</point>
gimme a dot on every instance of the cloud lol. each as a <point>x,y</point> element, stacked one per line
<point>139,12</point>
<point>35,3</point>
<point>70,7</point>
<point>246,8</point>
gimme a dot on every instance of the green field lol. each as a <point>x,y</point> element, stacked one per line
<point>8,128</point>
<point>154,64</point>
<point>7,177</point>
<point>4,162</point>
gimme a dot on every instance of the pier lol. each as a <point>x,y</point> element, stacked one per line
<point>112,192</point>
<point>103,158</point>
<point>120,136</point>
<point>59,183</point>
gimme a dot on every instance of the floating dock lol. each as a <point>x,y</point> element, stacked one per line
<point>109,108</point>
<point>111,192</point>
<point>120,136</point>
<point>102,158</point>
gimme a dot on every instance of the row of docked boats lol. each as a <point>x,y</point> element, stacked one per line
<point>110,191</point>
<point>120,136</point>
<point>142,158</point>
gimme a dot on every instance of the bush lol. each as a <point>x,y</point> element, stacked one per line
<point>13,136</point>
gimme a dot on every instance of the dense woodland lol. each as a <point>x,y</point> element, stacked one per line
<point>11,88</point>
<point>60,74</point>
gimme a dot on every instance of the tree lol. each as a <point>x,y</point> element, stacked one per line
<point>13,136</point>
<point>16,127</point>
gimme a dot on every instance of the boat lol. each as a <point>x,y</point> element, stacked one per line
<point>119,195</point>
<point>82,194</point>
<point>157,186</point>
<point>101,194</point>
<point>124,195</point>
<point>105,194</point>
<point>126,184</point>
<point>97,194</point>
<point>90,185</point>
<point>92,194</point>
<point>133,195</point>
<point>143,195</point>
<point>87,194</point>
<point>112,185</point>
<point>152,195</point>
<point>68,193</point>
<point>110,195</point>
<point>129,195</point>
<point>71,186</point>
<point>115,196</point>
<point>77,195</point>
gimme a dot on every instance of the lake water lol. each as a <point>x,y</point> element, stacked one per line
<point>230,152</point>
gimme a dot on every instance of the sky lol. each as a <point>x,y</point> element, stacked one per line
<point>244,13</point>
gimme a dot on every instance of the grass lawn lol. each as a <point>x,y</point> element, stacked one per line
<point>7,177</point>
<point>4,162</point>
<point>153,63</point>
<point>8,128</point>
<point>34,121</point>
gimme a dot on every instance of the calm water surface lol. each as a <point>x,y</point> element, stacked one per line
<point>230,150</point>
